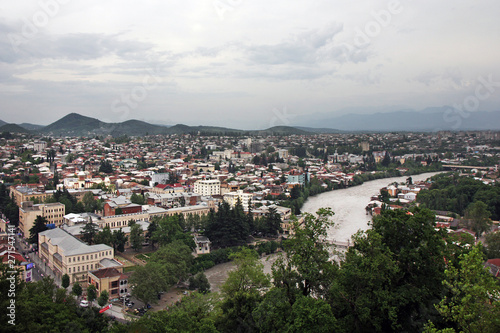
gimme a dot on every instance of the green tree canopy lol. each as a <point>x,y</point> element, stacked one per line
<point>39,226</point>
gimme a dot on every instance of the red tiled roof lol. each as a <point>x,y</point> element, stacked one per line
<point>495,262</point>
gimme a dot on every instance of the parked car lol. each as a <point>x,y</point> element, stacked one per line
<point>84,303</point>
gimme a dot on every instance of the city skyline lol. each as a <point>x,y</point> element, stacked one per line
<point>241,64</point>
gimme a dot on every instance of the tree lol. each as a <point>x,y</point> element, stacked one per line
<point>242,292</point>
<point>200,282</point>
<point>148,281</point>
<point>176,258</point>
<point>272,222</point>
<point>39,226</point>
<point>493,242</point>
<point>311,315</point>
<point>228,226</point>
<point>152,227</point>
<point>77,289</point>
<point>88,232</point>
<point>306,264</point>
<point>478,217</point>
<point>418,249</point>
<point>106,167</point>
<point>192,314</point>
<point>103,298</point>
<point>137,199</point>
<point>89,203</point>
<point>473,301</point>
<point>364,302</point>
<point>119,240</point>
<point>105,236</point>
<point>387,159</point>
<point>136,237</point>
<point>91,293</point>
<point>249,275</point>
<point>65,281</point>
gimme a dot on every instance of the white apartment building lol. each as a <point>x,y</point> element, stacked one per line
<point>232,198</point>
<point>207,187</point>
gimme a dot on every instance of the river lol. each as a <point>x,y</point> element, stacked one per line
<point>350,216</point>
<point>349,205</point>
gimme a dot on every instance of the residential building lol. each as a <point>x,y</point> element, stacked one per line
<point>233,197</point>
<point>110,279</point>
<point>28,193</point>
<point>207,187</point>
<point>53,212</point>
<point>296,177</point>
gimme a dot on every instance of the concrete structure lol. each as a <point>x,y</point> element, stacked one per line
<point>26,193</point>
<point>202,245</point>
<point>207,187</point>
<point>110,279</point>
<point>296,177</point>
<point>39,146</point>
<point>53,212</point>
<point>160,178</point>
<point>283,153</point>
<point>232,198</point>
<point>65,254</point>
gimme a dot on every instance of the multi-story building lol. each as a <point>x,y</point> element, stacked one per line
<point>53,212</point>
<point>233,197</point>
<point>27,193</point>
<point>39,146</point>
<point>296,177</point>
<point>110,279</point>
<point>207,187</point>
<point>65,254</point>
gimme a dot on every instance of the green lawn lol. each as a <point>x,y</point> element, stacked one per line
<point>129,269</point>
<point>142,256</point>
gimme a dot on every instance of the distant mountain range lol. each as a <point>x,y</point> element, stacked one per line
<point>430,119</point>
<point>427,120</point>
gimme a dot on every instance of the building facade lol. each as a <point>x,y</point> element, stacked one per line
<point>65,254</point>
<point>207,187</point>
<point>53,212</point>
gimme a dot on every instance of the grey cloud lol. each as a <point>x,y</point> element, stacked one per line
<point>450,75</point>
<point>305,48</point>
<point>16,47</point>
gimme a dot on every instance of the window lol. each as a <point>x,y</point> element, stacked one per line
<point>87,257</point>
<point>69,259</point>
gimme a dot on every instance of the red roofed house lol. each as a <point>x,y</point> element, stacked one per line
<point>110,279</point>
<point>494,267</point>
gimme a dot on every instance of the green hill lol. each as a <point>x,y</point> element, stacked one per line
<point>13,128</point>
<point>282,130</point>
<point>75,124</point>
<point>31,127</point>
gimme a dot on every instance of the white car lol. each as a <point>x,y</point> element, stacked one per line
<point>84,303</point>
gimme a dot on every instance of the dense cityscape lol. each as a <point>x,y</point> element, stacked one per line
<point>134,225</point>
<point>249,166</point>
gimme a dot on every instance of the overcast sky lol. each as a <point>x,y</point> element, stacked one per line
<point>244,64</point>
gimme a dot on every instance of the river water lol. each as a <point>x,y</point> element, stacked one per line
<point>350,216</point>
<point>349,205</point>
